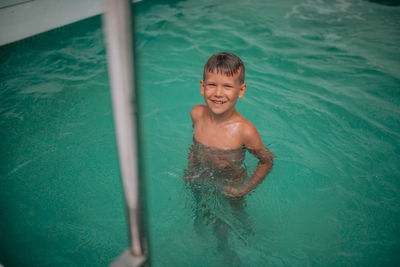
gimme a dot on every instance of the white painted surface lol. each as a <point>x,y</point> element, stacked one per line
<point>21,19</point>
<point>118,32</point>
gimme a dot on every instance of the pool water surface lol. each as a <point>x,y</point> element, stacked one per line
<point>323,92</point>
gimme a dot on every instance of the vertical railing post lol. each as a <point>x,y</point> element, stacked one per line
<point>119,43</point>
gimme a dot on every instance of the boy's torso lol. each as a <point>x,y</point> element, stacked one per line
<point>221,166</point>
<point>218,149</point>
<point>223,134</point>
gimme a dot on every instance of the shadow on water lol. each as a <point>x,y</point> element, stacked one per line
<point>386,2</point>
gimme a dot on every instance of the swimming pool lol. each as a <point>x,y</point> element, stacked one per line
<point>323,91</point>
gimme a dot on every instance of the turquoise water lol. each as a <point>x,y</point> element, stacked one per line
<point>61,197</point>
<point>323,91</point>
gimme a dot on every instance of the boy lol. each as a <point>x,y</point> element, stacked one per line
<point>221,134</point>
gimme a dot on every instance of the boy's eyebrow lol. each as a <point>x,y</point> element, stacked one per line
<point>228,84</point>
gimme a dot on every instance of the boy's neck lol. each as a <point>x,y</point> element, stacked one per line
<point>222,117</point>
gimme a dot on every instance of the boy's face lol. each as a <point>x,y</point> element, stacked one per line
<point>222,91</point>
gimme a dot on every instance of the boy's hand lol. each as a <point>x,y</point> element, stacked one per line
<point>233,191</point>
<point>189,178</point>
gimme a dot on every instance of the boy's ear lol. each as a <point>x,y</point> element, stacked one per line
<point>202,87</point>
<point>242,90</point>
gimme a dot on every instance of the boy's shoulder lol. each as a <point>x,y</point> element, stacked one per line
<point>198,112</point>
<point>249,133</point>
<point>246,127</point>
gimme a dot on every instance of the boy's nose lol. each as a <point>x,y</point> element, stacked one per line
<point>218,92</point>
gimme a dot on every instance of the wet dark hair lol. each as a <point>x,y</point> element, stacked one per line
<point>225,63</point>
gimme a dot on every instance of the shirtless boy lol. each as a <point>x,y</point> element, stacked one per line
<point>222,132</point>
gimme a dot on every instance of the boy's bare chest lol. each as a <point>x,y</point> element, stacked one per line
<point>224,136</point>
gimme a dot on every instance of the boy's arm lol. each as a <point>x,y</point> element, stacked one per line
<point>189,173</point>
<point>255,146</point>
<point>264,166</point>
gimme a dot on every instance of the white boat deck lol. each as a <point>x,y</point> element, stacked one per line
<point>20,19</point>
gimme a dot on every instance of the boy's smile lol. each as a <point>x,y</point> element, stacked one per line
<point>221,92</point>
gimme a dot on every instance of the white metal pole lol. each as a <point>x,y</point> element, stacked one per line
<point>118,31</point>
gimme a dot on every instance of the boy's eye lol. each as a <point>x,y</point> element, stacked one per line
<point>211,84</point>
